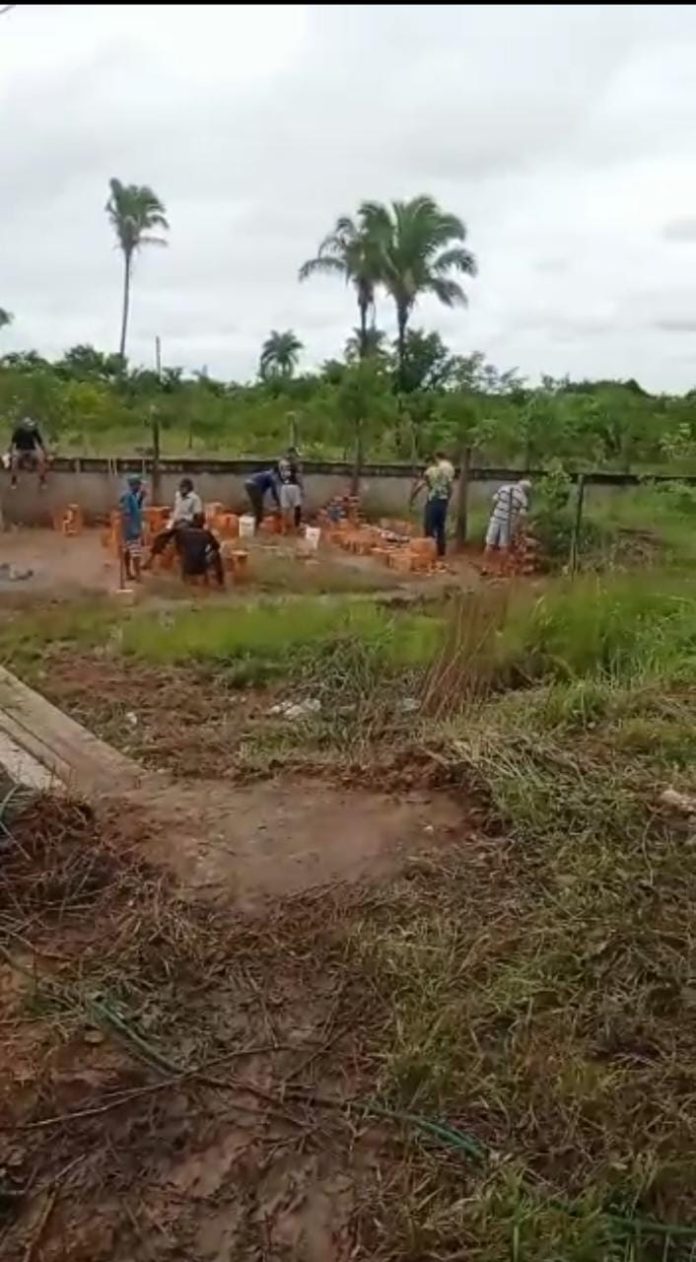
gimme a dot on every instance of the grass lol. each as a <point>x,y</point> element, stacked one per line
<point>653,523</point>
<point>286,636</point>
<point>532,985</point>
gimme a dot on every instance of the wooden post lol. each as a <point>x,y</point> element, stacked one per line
<point>155,428</point>
<point>462,517</point>
<point>357,460</point>
<point>575,537</point>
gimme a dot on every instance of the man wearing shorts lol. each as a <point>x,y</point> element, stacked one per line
<point>27,450</point>
<point>131,504</point>
<point>290,488</point>
<point>510,506</point>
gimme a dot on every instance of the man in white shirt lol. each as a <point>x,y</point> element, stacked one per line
<point>510,505</point>
<point>187,505</point>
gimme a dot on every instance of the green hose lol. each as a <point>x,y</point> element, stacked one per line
<point>449,1137</point>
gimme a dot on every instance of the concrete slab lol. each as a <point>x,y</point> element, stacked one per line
<point>66,750</point>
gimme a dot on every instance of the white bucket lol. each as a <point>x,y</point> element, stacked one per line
<point>247,527</point>
<point>312,536</point>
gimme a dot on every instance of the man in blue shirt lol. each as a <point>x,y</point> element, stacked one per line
<point>131,504</point>
<point>258,486</point>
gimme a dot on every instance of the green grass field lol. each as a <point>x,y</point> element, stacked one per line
<point>531,990</point>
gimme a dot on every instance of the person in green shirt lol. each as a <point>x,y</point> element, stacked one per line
<point>438,480</point>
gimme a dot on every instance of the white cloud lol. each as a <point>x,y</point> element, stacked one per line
<point>562,134</point>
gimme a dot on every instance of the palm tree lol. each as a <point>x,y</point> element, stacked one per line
<point>350,251</point>
<point>364,343</point>
<point>134,210</point>
<point>5,317</point>
<point>279,354</point>
<point>420,246</point>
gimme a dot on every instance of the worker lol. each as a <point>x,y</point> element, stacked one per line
<point>258,486</point>
<point>510,506</point>
<point>438,480</point>
<point>290,488</point>
<point>199,551</point>
<point>131,504</point>
<point>27,450</point>
<point>187,505</point>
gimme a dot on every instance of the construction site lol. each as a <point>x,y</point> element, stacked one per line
<point>280,865</point>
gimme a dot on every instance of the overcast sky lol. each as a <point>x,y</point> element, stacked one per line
<point>565,137</point>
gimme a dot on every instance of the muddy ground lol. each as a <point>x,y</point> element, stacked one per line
<point>37,564</point>
<point>183,1080</point>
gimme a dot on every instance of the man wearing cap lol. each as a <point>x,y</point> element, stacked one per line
<point>131,504</point>
<point>509,507</point>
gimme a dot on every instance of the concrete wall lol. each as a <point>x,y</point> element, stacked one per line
<point>96,485</point>
<point>97,492</point>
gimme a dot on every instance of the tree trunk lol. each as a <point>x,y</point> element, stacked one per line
<point>357,460</point>
<point>128,258</point>
<point>155,435</point>
<point>402,321</point>
<point>462,513</point>
<point>362,340</point>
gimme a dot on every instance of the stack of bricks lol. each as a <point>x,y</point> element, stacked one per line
<point>224,525</point>
<point>522,559</point>
<point>69,521</point>
<point>235,561</point>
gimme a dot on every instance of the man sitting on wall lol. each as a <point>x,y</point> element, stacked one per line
<point>27,450</point>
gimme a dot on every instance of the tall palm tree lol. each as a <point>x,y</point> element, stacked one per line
<point>279,354</point>
<point>350,251</point>
<point>134,210</point>
<point>420,247</point>
<point>5,317</point>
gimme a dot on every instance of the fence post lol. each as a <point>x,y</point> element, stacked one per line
<point>462,519</point>
<point>575,537</point>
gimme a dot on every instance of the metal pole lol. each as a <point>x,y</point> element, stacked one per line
<point>462,522</point>
<point>155,427</point>
<point>575,537</point>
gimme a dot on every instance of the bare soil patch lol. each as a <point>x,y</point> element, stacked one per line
<point>179,1083</point>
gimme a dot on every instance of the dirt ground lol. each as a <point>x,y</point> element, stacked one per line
<point>182,1030</point>
<point>173,1077</point>
<point>37,563</point>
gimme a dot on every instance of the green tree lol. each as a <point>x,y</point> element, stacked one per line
<point>420,249</point>
<point>85,363</point>
<point>351,252</point>
<point>427,362</point>
<point>134,210</point>
<point>363,396</point>
<point>279,355</point>
<point>363,343</point>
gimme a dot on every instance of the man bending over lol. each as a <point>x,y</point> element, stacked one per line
<point>199,551</point>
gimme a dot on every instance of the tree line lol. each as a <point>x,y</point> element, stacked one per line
<point>391,400</point>
<point>350,408</point>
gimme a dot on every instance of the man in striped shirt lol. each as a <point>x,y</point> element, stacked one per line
<point>510,506</point>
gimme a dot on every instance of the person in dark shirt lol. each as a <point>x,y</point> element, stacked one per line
<point>258,486</point>
<point>27,450</point>
<point>199,551</point>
